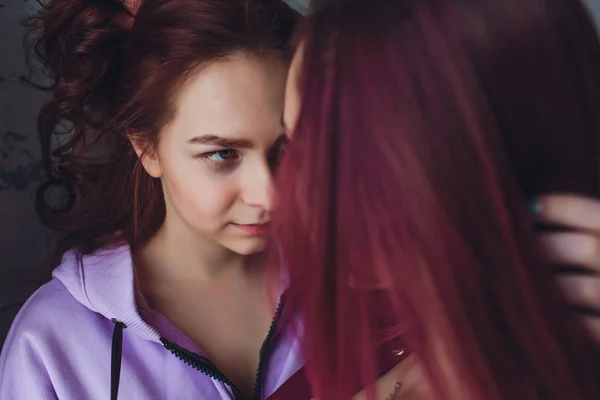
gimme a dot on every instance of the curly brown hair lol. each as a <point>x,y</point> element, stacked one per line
<point>113,83</point>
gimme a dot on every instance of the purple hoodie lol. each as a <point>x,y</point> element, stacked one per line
<point>67,338</point>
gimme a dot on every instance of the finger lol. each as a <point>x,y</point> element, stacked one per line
<point>414,387</point>
<point>581,290</point>
<point>385,384</point>
<point>572,248</point>
<point>592,323</point>
<point>577,212</point>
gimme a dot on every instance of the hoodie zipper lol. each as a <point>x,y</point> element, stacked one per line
<point>205,366</point>
<point>258,383</point>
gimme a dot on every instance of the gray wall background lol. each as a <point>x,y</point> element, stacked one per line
<point>594,6</point>
<point>24,244</point>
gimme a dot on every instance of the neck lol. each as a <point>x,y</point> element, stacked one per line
<point>176,253</point>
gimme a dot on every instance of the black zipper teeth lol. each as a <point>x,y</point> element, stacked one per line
<point>264,348</point>
<point>205,366</point>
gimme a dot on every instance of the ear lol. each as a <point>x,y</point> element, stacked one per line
<point>149,159</point>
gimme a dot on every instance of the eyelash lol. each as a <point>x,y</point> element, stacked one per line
<point>220,165</point>
<point>209,154</point>
<point>278,150</point>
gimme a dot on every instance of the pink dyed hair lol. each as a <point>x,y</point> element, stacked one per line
<point>425,127</point>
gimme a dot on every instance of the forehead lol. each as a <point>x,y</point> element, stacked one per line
<point>240,95</point>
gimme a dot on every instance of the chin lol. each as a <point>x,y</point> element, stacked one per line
<point>249,246</point>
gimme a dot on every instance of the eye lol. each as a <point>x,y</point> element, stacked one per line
<point>277,151</point>
<point>281,145</point>
<point>221,155</point>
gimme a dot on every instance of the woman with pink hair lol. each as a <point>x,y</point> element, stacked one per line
<point>420,131</point>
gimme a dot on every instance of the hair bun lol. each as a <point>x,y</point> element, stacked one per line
<point>126,18</point>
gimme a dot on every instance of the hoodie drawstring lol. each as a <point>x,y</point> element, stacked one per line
<point>115,358</point>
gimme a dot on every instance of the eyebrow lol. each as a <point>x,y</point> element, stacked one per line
<point>220,141</point>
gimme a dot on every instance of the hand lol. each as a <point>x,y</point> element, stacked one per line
<point>580,248</point>
<point>412,385</point>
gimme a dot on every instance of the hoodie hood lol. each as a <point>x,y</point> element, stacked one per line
<point>68,342</point>
<point>104,283</point>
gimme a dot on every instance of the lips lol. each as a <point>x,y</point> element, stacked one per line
<point>253,229</point>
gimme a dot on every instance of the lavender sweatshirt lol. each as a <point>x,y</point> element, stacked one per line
<point>60,344</point>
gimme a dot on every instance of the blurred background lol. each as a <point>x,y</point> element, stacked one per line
<point>25,246</point>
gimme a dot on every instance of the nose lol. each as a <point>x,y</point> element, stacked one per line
<point>259,188</point>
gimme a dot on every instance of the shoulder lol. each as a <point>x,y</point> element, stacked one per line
<point>38,342</point>
<point>48,312</point>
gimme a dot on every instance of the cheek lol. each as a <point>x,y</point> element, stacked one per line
<point>200,196</point>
